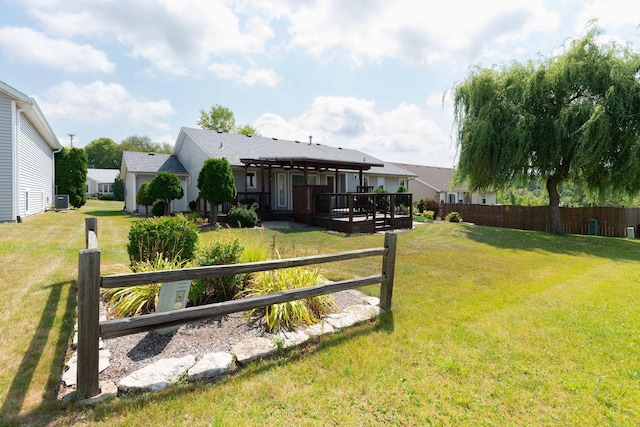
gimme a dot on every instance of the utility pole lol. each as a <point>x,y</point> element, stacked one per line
<point>71,135</point>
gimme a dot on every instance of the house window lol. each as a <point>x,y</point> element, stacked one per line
<point>251,180</point>
<point>452,197</point>
<point>107,188</point>
<point>403,183</point>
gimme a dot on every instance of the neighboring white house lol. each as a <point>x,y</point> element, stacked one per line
<point>138,168</point>
<point>100,181</point>
<point>27,161</point>
<point>435,183</point>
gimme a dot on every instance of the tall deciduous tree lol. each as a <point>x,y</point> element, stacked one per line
<point>71,175</point>
<point>216,184</point>
<point>222,119</point>
<point>143,144</point>
<point>574,117</point>
<point>217,118</point>
<point>247,130</point>
<point>165,186</point>
<point>103,153</point>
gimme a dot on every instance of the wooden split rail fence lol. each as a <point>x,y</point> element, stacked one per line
<point>91,329</point>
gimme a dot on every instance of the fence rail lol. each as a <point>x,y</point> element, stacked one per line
<point>611,222</point>
<point>90,329</point>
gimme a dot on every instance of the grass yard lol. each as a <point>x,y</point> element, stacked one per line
<point>489,327</point>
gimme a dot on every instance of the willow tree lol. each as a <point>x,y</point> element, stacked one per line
<point>573,117</point>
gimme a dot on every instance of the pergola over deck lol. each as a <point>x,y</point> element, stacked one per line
<point>324,206</point>
<point>306,164</point>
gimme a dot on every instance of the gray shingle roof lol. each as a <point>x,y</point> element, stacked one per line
<point>152,163</point>
<point>437,177</point>
<point>235,147</point>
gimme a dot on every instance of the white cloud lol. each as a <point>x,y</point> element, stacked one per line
<point>404,132</point>
<point>253,76</point>
<point>609,13</point>
<point>377,30</point>
<point>100,102</point>
<point>34,48</point>
<point>176,37</point>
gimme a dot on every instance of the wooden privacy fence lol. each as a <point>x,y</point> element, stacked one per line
<point>612,222</point>
<point>90,329</point>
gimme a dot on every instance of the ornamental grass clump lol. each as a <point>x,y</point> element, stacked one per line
<point>142,299</point>
<point>453,217</point>
<point>289,315</point>
<point>222,251</point>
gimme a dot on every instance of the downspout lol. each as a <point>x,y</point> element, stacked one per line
<point>16,163</point>
<point>53,171</point>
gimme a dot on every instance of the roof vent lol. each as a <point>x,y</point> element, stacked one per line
<point>152,154</point>
<point>297,142</point>
<point>339,148</point>
<point>219,131</point>
<point>246,134</point>
<point>275,139</point>
<point>220,145</point>
<point>310,137</point>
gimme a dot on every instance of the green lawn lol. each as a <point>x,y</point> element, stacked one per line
<point>489,327</point>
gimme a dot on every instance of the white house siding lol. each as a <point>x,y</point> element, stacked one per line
<point>6,158</point>
<point>130,192</point>
<point>36,171</point>
<point>192,158</point>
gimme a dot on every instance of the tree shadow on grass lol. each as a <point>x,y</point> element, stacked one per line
<point>570,244</point>
<point>21,384</point>
<point>257,367</point>
<point>104,212</point>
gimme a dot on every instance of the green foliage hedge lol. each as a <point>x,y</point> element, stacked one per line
<point>242,216</point>
<point>158,208</point>
<point>171,237</point>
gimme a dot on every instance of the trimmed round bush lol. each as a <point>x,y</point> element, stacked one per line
<point>242,216</point>
<point>170,237</point>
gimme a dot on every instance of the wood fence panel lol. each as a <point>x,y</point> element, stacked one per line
<point>612,222</point>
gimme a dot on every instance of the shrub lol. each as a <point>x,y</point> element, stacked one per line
<point>143,299</point>
<point>428,205</point>
<point>192,206</point>
<point>453,217</point>
<point>158,208</point>
<point>171,237</point>
<point>291,314</point>
<point>428,215</point>
<point>216,289</point>
<point>382,200</point>
<point>106,196</point>
<point>242,216</point>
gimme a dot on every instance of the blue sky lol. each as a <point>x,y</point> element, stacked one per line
<point>369,75</point>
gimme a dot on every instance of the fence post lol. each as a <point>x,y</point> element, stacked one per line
<point>90,224</point>
<point>88,322</point>
<point>388,270</point>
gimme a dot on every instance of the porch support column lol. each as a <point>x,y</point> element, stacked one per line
<point>361,180</point>
<point>262,195</point>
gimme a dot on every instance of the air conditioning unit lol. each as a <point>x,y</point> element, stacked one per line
<point>62,201</point>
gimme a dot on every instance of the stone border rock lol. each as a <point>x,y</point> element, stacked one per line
<point>162,373</point>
